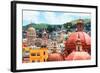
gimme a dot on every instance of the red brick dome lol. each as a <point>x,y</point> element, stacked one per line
<point>85,39</point>
<point>78,56</point>
<point>55,57</point>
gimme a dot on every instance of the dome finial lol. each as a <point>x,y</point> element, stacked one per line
<point>80,25</point>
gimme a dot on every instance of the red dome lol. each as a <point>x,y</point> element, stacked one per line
<point>85,40</point>
<point>55,57</point>
<point>78,56</point>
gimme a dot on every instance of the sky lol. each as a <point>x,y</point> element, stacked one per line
<point>51,17</point>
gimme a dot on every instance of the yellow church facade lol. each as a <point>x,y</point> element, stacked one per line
<point>38,55</point>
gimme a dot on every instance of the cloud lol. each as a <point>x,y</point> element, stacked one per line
<point>65,17</point>
<point>31,16</point>
<point>52,17</point>
<point>58,18</point>
<point>79,15</point>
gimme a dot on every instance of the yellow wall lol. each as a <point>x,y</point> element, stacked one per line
<point>41,57</point>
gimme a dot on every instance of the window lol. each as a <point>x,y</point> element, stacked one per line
<point>78,48</point>
<point>38,54</point>
<point>33,61</point>
<point>33,54</point>
<point>44,52</point>
<point>44,60</point>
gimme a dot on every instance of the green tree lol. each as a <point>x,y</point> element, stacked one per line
<point>68,26</point>
<point>49,28</point>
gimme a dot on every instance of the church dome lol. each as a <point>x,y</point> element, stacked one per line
<point>78,56</point>
<point>85,39</point>
<point>55,57</point>
<point>31,29</point>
